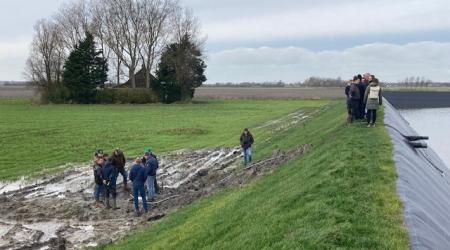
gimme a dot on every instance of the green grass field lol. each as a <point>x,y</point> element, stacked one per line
<point>340,195</point>
<point>37,138</point>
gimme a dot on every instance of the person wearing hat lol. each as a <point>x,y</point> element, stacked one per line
<point>247,141</point>
<point>138,176</point>
<point>151,165</point>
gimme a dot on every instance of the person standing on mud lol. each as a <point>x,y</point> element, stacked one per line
<point>118,160</point>
<point>373,100</point>
<point>138,176</point>
<point>246,144</point>
<point>151,165</point>
<point>354,99</point>
<point>99,188</point>
<point>109,176</point>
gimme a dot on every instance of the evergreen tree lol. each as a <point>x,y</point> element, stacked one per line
<point>84,71</point>
<point>180,71</point>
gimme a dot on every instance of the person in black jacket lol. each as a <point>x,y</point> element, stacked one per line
<point>246,144</point>
<point>355,98</point>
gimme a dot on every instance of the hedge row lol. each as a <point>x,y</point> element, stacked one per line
<point>125,95</point>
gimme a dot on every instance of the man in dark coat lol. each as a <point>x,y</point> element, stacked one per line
<point>109,176</point>
<point>355,97</point>
<point>247,141</point>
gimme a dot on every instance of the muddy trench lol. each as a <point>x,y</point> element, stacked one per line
<point>58,211</point>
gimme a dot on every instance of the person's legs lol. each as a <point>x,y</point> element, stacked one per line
<point>249,155</point>
<point>245,156</point>
<point>144,199</point>
<point>369,116</point>
<point>123,172</point>
<point>107,194</point>
<point>136,190</point>
<point>97,192</point>
<point>355,109</point>
<point>151,188</point>
<point>374,116</point>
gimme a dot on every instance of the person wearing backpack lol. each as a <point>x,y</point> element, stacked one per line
<point>372,99</point>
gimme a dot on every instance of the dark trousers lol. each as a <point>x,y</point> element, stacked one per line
<point>354,109</point>
<point>371,116</point>
<point>362,110</point>
<point>110,191</point>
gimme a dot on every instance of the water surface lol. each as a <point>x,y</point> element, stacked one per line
<point>434,123</point>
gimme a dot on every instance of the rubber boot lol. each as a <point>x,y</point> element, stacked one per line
<point>107,203</point>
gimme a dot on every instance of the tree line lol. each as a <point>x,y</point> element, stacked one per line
<point>157,36</point>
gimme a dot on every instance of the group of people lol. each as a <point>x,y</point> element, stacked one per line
<point>143,173</point>
<point>363,98</point>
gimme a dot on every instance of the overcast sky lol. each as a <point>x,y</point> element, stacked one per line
<point>288,40</point>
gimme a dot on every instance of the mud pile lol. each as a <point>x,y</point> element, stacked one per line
<point>58,212</point>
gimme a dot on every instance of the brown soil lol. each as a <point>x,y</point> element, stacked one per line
<point>59,213</point>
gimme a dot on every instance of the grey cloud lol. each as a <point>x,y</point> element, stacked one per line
<point>390,62</point>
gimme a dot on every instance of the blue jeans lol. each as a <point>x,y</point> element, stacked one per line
<point>123,172</point>
<point>151,187</point>
<point>247,156</point>
<point>139,190</point>
<point>98,190</point>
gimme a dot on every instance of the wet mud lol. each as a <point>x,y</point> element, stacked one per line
<point>58,212</point>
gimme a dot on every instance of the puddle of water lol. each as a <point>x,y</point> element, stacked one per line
<point>38,212</point>
<point>434,123</point>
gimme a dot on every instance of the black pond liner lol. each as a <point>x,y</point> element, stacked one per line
<point>423,185</point>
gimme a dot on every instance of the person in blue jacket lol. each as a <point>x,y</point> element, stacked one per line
<point>151,165</point>
<point>138,176</point>
<point>109,176</point>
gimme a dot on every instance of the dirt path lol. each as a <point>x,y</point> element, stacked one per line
<point>58,212</point>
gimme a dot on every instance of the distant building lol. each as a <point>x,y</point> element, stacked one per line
<point>139,80</point>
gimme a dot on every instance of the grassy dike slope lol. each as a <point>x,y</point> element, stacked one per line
<point>340,195</point>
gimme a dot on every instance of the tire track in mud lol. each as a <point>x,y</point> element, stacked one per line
<point>58,212</point>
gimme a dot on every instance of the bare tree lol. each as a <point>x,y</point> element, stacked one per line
<point>155,32</point>
<point>73,19</point>
<point>44,65</point>
<point>184,23</point>
<point>124,25</point>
